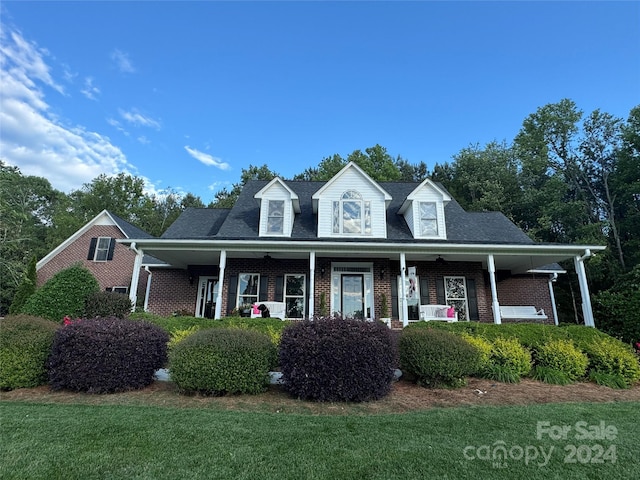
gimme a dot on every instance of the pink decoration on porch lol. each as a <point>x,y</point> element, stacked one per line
<point>451,312</point>
<point>255,308</point>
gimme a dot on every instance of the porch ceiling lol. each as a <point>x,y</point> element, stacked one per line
<point>516,258</point>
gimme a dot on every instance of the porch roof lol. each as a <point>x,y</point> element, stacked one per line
<point>180,253</point>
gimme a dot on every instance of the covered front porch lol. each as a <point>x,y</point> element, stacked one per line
<point>213,277</point>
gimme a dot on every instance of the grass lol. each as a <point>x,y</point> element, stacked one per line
<point>71,441</point>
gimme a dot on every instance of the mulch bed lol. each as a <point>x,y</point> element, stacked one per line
<point>404,397</point>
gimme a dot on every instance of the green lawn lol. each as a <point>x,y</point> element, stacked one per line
<point>70,441</point>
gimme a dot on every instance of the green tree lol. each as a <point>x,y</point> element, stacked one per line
<point>227,198</point>
<point>26,210</point>
<point>63,294</point>
<point>25,289</point>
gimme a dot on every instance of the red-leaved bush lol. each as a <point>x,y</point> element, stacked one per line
<point>106,355</point>
<point>336,359</point>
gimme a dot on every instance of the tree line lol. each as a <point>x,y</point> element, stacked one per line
<point>566,177</point>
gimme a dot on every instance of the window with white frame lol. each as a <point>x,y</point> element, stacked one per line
<point>352,214</point>
<point>102,249</point>
<point>275,218</point>
<point>455,291</point>
<point>428,219</point>
<point>294,295</point>
<point>124,290</point>
<point>247,289</point>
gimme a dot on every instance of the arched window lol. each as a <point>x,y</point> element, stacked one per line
<point>352,214</point>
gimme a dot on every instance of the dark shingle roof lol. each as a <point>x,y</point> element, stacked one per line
<point>197,223</point>
<point>131,231</point>
<point>241,221</point>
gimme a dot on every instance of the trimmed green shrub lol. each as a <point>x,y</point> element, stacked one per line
<point>219,361</point>
<point>25,344</point>
<point>25,289</point>
<point>64,294</point>
<point>484,348</point>
<point>107,304</point>
<point>509,361</point>
<point>611,357</point>
<point>179,335</point>
<point>106,355</point>
<point>562,356</point>
<point>437,358</point>
<point>336,359</point>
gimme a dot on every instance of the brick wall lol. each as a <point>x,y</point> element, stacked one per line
<point>112,273</point>
<point>171,290</point>
<point>526,290</point>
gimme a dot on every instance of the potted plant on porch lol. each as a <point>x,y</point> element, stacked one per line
<point>384,311</point>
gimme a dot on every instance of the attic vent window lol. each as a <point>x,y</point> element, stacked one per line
<point>275,221</point>
<point>351,214</point>
<point>428,219</point>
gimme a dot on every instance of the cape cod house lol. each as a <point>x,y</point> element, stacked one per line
<point>339,246</point>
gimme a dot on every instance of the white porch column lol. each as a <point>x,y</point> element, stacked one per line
<point>312,283</point>
<point>404,314</point>
<point>135,276</point>
<point>495,305</point>
<point>223,264</point>
<point>584,288</point>
<point>552,278</point>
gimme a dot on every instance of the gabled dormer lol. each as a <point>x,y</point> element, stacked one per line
<point>423,210</point>
<point>278,206</point>
<point>350,205</point>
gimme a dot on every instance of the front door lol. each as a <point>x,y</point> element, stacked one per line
<point>207,293</point>
<point>352,296</point>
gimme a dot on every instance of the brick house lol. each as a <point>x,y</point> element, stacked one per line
<point>339,246</point>
<point>95,246</point>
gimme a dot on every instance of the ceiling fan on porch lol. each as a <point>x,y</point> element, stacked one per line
<point>440,260</point>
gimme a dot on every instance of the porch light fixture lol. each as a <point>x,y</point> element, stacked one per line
<point>382,272</point>
<point>440,260</point>
<point>322,271</point>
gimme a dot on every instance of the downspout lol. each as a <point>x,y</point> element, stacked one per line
<point>312,282</point>
<point>135,276</point>
<point>552,279</point>
<point>404,315</point>
<point>148,290</point>
<point>587,312</point>
<point>223,265</point>
<point>497,319</point>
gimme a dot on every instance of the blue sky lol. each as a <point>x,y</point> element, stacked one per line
<point>186,94</point>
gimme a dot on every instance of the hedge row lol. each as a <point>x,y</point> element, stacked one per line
<point>552,354</point>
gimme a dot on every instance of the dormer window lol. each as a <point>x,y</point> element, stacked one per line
<point>428,219</point>
<point>275,220</point>
<point>352,214</point>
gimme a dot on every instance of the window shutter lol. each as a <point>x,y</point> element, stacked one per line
<point>112,245</point>
<point>394,297</point>
<point>424,291</point>
<point>92,248</point>
<point>472,297</point>
<point>279,296</point>
<point>264,285</point>
<point>231,295</point>
<point>440,297</point>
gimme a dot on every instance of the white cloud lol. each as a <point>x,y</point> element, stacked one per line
<point>137,119</point>
<point>90,90</point>
<point>122,61</point>
<point>35,140</point>
<point>207,159</point>
<point>143,140</point>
